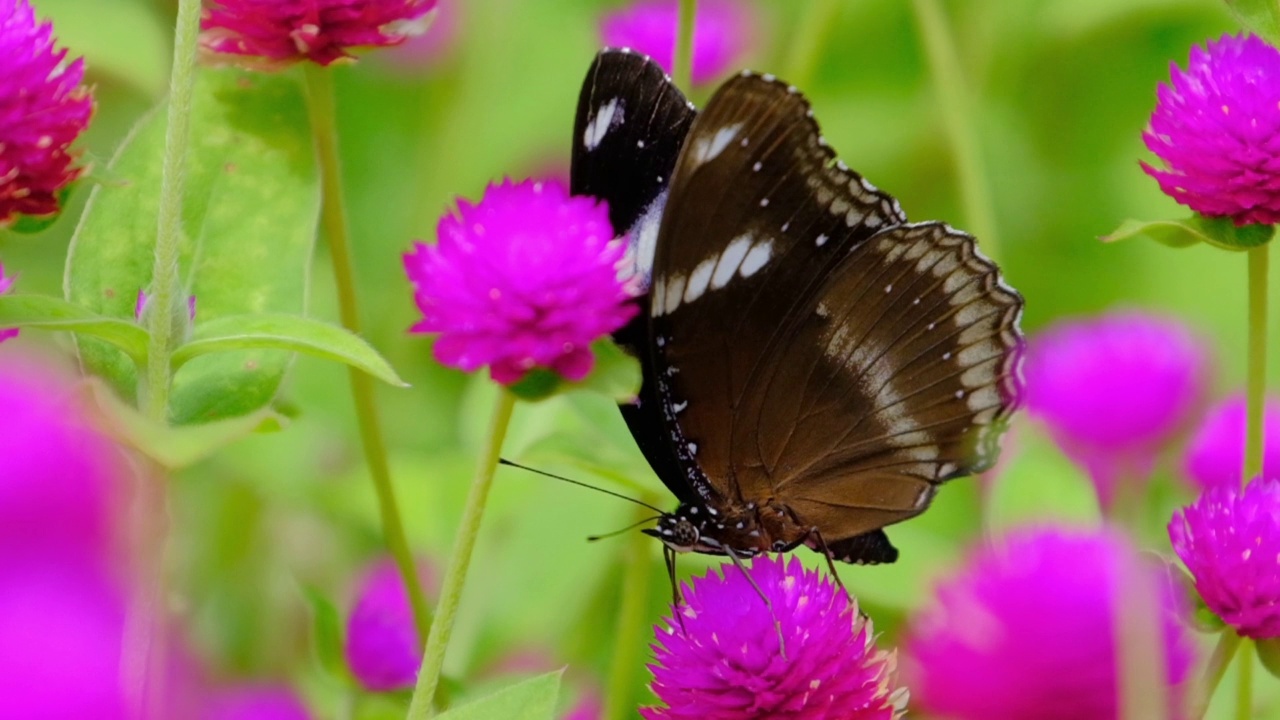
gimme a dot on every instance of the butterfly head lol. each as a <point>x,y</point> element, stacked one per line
<point>681,530</point>
<point>704,529</point>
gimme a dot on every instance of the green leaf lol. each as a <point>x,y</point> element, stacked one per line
<point>615,375</point>
<point>1260,16</point>
<point>174,447</point>
<point>286,332</point>
<point>248,229</point>
<point>50,313</point>
<point>1269,654</point>
<point>533,699</point>
<point>1219,232</point>
<point>326,633</point>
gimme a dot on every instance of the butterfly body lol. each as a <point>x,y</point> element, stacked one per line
<point>814,365</point>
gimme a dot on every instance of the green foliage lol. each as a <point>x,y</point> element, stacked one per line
<point>249,224</point>
<point>532,699</point>
<point>615,375</point>
<point>1262,17</point>
<point>1218,232</point>
<point>47,313</point>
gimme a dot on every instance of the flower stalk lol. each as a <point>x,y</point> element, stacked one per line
<point>636,576</point>
<point>1244,684</point>
<point>682,62</point>
<point>1255,383</point>
<point>1223,652</point>
<point>455,576</point>
<point>333,219</point>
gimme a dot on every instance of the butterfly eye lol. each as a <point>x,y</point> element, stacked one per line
<point>685,534</point>
<point>779,546</point>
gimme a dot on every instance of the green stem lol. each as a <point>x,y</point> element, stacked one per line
<point>1228,643</point>
<point>682,60</point>
<point>333,218</point>
<point>166,282</point>
<point>810,37</point>
<point>958,119</point>
<point>456,575</point>
<point>1255,384</point>
<point>627,636</point>
<point>1244,686</point>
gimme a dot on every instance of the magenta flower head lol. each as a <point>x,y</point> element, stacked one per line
<point>6,284</point>
<point>255,702</point>
<point>1114,389</point>
<point>43,108</point>
<point>271,34</point>
<point>527,278</point>
<point>382,646</point>
<point>1216,453</point>
<point>1216,127</point>
<point>1027,631</point>
<point>723,30</point>
<point>1230,541</point>
<point>720,659</point>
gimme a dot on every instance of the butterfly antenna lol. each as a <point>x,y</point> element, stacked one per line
<point>632,526</point>
<point>777,625</point>
<point>504,461</point>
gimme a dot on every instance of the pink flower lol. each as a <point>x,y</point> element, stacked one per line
<point>1114,389</point>
<point>723,30</point>
<point>255,702</point>
<point>1230,542</point>
<point>6,284</point>
<point>270,34</point>
<point>383,649</point>
<point>43,108</point>
<point>1026,631</point>
<point>1216,453</point>
<point>1216,126</point>
<point>525,279</point>
<point>721,660</point>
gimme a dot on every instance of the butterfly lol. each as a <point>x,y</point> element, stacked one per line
<point>814,366</point>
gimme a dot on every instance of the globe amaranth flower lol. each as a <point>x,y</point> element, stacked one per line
<point>1216,126</point>
<point>723,30</point>
<point>1215,454</point>
<point>43,108</point>
<point>255,702</point>
<point>382,648</point>
<point>1229,540</point>
<point>1027,631</point>
<point>6,284</point>
<point>720,658</point>
<point>525,279</point>
<point>1114,389</point>
<point>270,34</point>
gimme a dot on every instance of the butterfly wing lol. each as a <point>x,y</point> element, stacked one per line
<point>631,122</point>
<point>809,345</point>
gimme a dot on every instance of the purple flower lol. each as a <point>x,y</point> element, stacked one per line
<point>721,659</point>
<point>43,108</point>
<point>61,482</point>
<point>270,34</point>
<point>1216,126</point>
<point>1114,389</point>
<point>723,30</point>
<point>6,284</point>
<point>1027,631</point>
<point>525,279</point>
<point>1216,453</point>
<point>1230,541</point>
<point>255,702</point>
<point>383,648</point>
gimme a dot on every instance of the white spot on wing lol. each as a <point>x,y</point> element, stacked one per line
<point>708,148</point>
<point>820,240</point>
<point>673,291</point>
<point>730,259</point>
<point>600,123</point>
<point>699,280</point>
<point>757,257</point>
<point>643,241</point>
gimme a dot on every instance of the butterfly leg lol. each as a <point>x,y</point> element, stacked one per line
<point>669,556</point>
<point>830,556</point>
<point>777,625</point>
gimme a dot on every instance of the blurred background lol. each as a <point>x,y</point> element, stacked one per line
<point>1060,91</point>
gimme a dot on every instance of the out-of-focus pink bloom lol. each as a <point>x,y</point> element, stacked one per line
<point>6,284</point>
<point>255,702</point>
<point>1230,541</point>
<point>270,34</point>
<point>383,649</point>
<point>723,31</point>
<point>528,278</point>
<point>1114,389</point>
<point>1217,129</point>
<point>1027,631</point>
<point>721,660</point>
<point>43,108</point>
<point>1215,455</point>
